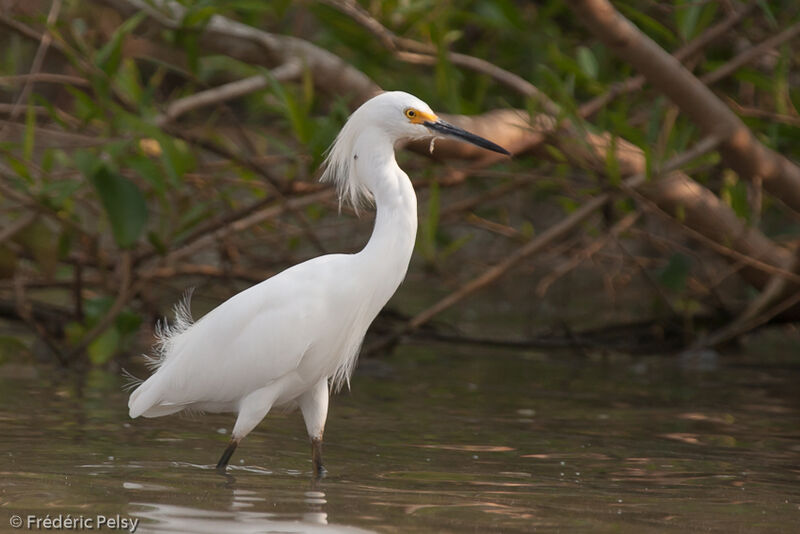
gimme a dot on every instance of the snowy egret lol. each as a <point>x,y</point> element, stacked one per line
<point>291,339</point>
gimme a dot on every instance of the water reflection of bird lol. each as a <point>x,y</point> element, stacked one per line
<point>290,339</point>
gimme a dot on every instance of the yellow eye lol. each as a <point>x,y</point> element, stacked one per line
<point>411,113</point>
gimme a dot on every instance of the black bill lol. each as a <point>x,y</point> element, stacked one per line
<point>448,130</point>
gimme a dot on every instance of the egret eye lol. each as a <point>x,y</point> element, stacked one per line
<point>411,113</point>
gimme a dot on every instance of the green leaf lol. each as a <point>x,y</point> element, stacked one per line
<point>18,167</point>
<point>686,16</point>
<point>454,246</point>
<point>296,109</point>
<point>109,56</point>
<point>149,170</point>
<point>196,17</point>
<point>588,62</point>
<point>124,204</point>
<point>128,322</point>
<point>158,243</point>
<point>103,348</point>
<point>692,17</point>
<point>96,308</point>
<point>612,163</point>
<point>87,162</point>
<point>562,91</point>
<point>128,81</point>
<point>676,272</point>
<point>197,212</point>
<point>773,23</point>
<point>648,162</point>
<point>52,114</point>
<point>647,23</point>
<point>41,242</point>
<point>74,331</point>
<point>734,194</point>
<point>176,158</point>
<point>567,204</point>
<point>84,106</point>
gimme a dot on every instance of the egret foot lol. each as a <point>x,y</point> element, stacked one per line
<point>226,456</point>
<point>316,458</point>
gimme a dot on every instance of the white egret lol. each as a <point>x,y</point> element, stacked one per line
<point>289,340</point>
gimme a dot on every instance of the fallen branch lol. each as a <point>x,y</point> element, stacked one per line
<point>747,322</point>
<point>644,337</point>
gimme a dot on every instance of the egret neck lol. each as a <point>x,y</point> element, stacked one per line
<point>388,252</point>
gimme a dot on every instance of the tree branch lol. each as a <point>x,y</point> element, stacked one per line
<point>740,150</point>
<point>332,75</point>
<point>228,91</point>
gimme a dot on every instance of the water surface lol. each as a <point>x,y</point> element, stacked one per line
<point>432,439</point>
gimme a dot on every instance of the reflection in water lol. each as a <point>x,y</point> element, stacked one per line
<point>242,517</point>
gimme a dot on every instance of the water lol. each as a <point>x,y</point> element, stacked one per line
<point>433,439</point>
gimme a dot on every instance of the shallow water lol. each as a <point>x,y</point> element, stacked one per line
<point>433,439</point>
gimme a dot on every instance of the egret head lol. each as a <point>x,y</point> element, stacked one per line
<point>395,116</point>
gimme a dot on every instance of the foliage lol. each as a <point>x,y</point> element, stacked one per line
<point>108,178</point>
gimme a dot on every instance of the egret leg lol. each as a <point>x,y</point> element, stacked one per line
<point>252,409</point>
<point>226,456</point>
<point>316,458</point>
<point>314,406</point>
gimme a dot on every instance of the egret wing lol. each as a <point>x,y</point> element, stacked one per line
<point>250,340</point>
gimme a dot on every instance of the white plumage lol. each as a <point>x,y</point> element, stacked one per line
<point>289,339</point>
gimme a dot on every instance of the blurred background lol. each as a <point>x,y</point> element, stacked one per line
<point>152,148</point>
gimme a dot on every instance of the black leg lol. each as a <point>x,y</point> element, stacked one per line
<point>316,458</point>
<point>226,456</point>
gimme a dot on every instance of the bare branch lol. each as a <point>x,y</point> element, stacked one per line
<point>621,226</point>
<point>332,75</point>
<point>127,290</point>
<point>695,45</point>
<point>253,166</point>
<point>740,150</point>
<point>17,226</point>
<point>228,91</point>
<point>751,54</point>
<point>413,52</point>
<point>38,59</point>
<point>242,224</point>
<point>45,77</point>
